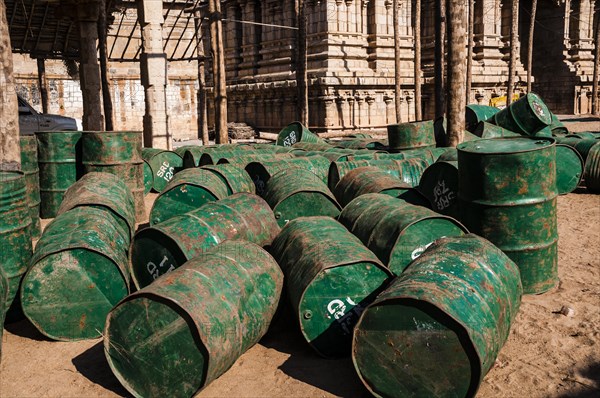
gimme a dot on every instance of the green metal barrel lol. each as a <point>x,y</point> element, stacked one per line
<point>592,169</point>
<point>439,184</point>
<point>78,273</point>
<point>438,328</point>
<point>164,165</point>
<point>296,192</point>
<point>103,190</point>
<point>569,169</point>
<point>369,143</point>
<point>584,145</point>
<point>429,155</point>
<point>296,132</point>
<point>585,135</point>
<point>411,135</point>
<point>228,156</point>
<point>166,246</point>
<point>409,170</point>
<point>191,156</point>
<point>236,178</point>
<point>475,114</point>
<point>148,178</point>
<point>396,231</point>
<point>507,194</point>
<point>331,156</point>
<point>526,116</point>
<point>194,323</point>
<point>261,172</point>
<point>58,159</point>
<point>15,238</point>
<point>315,146</point>
<point>118,153</point>
<point>189,190</point>
<point>243,160</point>
<point>4,291</point>
<point>29,166</point>
<point>330,278</point>
<point>489,130</point>
<point>557,127</point>
<point>182,149</point>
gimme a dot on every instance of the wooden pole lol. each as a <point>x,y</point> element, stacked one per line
<point>201,95</point>
<point>595,99</point>
<point>301,67</point>
<point>43,83</point>
<point>512,63</point>
<point>103,58</point>
<point>470,49</point>
<point>220,84</point>
<point>530,44</point>
<point>457,65</point>
<point>417,40</point>
<point>397,62</point>
<point>439,51</point>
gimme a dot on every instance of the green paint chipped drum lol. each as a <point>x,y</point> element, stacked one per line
<point>296,192</point>
<point>330,278</point>
<point>29,166</point>
<point>189,190</point>
<point>164,165</point>
<point>314,146</point>
<point>592,169</point>
<point>585,135</point>
<point>526,116</point>
<point>15,238</point>
<point>191,156</point>
<point>244,159</point>
<point>369,143</point>
<point>408,170</point>
<point>557,127</point>
<point>429,154</point>
<point>296,132</point>
<point>193,324</point>
<point>166,246</point>
<point>439,184</point>
<point>584,145</point>
<point>234,176</point>
<point>331,156</point>
<point>396,231</point>
<point>118,153</point>
<point>103,190</point>
<point>475,114</point>
<point>507,194</point>
<point>411,135</point>
<point>182,149</point>
<point>78,274</point>
<point>489,130</point>
<point>236,156</point>
<point>58,159</point>
<point>569,169</point>
<point>148,178</point>
<point>437,329</point>
<point>261,172</point>
<point>4,289</point>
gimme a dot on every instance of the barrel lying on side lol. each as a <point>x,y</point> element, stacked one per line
<point>475,114</point>
<point>103,190</point>
<point>148,178</point>
<point>164,165</point>
<point>191,157</point>
<point>296,132</point>
<point>439,184</point>
<point>409,170</point>
<point>78,273</point>
<point>58,158</point>
<point>592,170</point>
<point>190,189</point>
<point>489,130</point>
<point>29,166</point>
<point>526,116</point>
<point>194,323</point>
<point>166,246</point>
<point>3,305</point>
<point>569,169</point>
<point>438,328</point>
<point>396,231</point>
<point>15,238</point>
<point>430,155</point>
<point>234,176</point>
<point>297,192</point>
<point>330,278</point>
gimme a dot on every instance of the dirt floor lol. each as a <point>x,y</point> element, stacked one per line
<point>548,354</point>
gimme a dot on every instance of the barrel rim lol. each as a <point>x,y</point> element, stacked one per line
<point>464,146</point>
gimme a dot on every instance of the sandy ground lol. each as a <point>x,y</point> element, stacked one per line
<point>547,354</point>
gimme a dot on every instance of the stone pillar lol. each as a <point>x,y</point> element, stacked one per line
<point>153,68</point>
<point>89,69</point>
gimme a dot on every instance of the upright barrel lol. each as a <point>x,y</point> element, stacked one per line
<point>166,246</point>
<point>526,116</point>
<point>59,156</point>
<point>164,164</point>
<point>194,323</point>
<point>29,166</point>
<point>118,153</point>
<point>592,169</point>
<point>296,132</point>
<point>15,238</point>
<point>330,277</point>
<point>438,328</point>
<point>396,231</point>
<point>411,135</point>
<point>507,194</point>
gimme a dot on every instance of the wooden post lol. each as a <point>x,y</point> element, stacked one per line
<point>470,49</point>
<point>103,58</point>
<point>439,55</point>
<point>43,83</point>
<point>512,63</point>
<point>397,62</point>
<point>530,44</point>
<point>201,95</point>
<point>301,67</point>
<point>417,40</point>
<point>220,84</point>
<point>10,150</point>
<point>457,64</point>
<point>596,77</point>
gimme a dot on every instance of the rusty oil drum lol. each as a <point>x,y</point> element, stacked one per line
<point>438,328</point>
<point>166,246</point>
<point>118,153</point>
<point>234,176</point>
<point>409,170</point>
<point>439,184</point>
<point>296,132</point>
<point>592,169</point>
<point>396,231</point>
<point>330,277</point>
<point>411,135</point>
<point>193,323</point>
<point>526,116</point>
<point>507,194</point>
<point>29,166</point>
<point>164,165</point>
<point>78,273</point>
